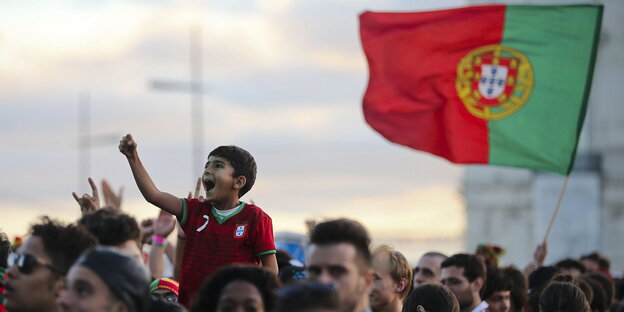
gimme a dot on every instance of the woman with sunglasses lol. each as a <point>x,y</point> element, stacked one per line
<point>36,271</point>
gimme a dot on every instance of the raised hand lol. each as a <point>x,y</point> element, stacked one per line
<point>147,230</point>
<point>164,224</point>
<point>111,199</point>
<point>127,146</point>
<point>198,188</point>
<point>540,254</point>
<point>88,203</point>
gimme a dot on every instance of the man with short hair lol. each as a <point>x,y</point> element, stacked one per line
<point>37,269</point>
<point>464,275</point>
<point>428,268</point>
<point>392,280</point>
<point>338,254</point>
<point>497,291</point>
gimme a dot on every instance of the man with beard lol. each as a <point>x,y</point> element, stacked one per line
<point>392,277</point>
<point>338,254</point>
<point>464,275</point>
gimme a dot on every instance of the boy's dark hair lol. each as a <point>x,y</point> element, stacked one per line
<point>602,262</point>
<point>563,297</point>
<point>111,228</point>
<point>518,289</point>
<point>210,292</point>
<point>242,162</point>
<point>569,263</point>
<point>473,267</point>
<point>63,244</point>
<point>307,295</point>
<point>343,231</point>
<point>431,297</point>
<point>5,249</point>
<point>496,281</point>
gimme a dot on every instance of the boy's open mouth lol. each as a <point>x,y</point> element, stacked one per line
<point>208,185</point>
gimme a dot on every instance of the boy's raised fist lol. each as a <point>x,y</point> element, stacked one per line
<point>127,146</point>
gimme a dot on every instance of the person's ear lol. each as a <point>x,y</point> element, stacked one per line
<point>401,285</point>
<point>239,182</point>
<point>58,285</point>
<point>477,284</point>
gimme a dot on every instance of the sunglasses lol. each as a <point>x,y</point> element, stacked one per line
<point>26,263</point>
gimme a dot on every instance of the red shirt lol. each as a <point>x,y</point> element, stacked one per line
<point>212,243</point>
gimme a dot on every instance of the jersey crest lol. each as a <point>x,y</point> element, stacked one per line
<point>494,81</point>
<point>240,230</point>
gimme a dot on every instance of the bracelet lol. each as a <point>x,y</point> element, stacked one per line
<point>158,240</point>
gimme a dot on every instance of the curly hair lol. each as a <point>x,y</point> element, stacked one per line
<point>112,228</point>
<point>210,292</point>
<point>63,244</point>
<point>242,162</point>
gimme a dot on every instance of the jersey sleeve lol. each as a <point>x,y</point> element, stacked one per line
<point>264,239</point>
<point>189,212</point>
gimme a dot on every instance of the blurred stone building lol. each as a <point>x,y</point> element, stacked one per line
<point>512,207</point>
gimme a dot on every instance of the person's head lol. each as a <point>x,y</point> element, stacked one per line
<point>392,278</point>
<point>37,269</point>
<point>431,298</point>
<point>595,262</point>
<point>115,229</point>
<point>538,279</point>
<point>5,249</point>
<point>464,275</point>
<point>105,279</point>
<point>606,283</point>
<point>428,268</point>
<point>497,291</point>
<point>598,302</point>
<point>229,169</point>
<point>518,290</point>
<point>165,289</point>
<point>236,288</point>
<point>308,297</point>
<point>563,297</point>
<point>338,254</point>
<point>571,266</point>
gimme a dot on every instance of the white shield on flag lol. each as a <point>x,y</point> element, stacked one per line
<point>492,82</point>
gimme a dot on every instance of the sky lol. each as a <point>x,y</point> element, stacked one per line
<point>284,79</point>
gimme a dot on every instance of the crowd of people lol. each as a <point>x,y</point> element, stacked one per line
<point>225,259</point>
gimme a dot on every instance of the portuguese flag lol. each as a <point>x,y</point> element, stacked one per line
<point>499,84</point>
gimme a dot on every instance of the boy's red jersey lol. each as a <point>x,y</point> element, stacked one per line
<point>211,244</point>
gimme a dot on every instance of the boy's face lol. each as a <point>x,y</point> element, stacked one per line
<point>218,178</point>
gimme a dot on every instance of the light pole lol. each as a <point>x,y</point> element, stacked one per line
<point>196,88</point>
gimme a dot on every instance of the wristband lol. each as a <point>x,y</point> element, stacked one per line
<point>158,240</point>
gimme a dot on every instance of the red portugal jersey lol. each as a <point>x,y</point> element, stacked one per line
<point>213,242</point>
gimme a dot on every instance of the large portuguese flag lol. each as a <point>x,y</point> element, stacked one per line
<point>499,84</point>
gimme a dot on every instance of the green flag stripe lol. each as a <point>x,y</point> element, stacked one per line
<point>560,43</point>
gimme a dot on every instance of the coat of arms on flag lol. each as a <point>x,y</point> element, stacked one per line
<point>494,81</point>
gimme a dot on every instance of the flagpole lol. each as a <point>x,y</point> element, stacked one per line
<point>554,216</point>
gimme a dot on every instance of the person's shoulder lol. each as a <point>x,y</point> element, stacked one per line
<point>255,211</point>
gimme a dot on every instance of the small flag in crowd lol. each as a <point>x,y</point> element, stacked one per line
<point>499,84</point>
